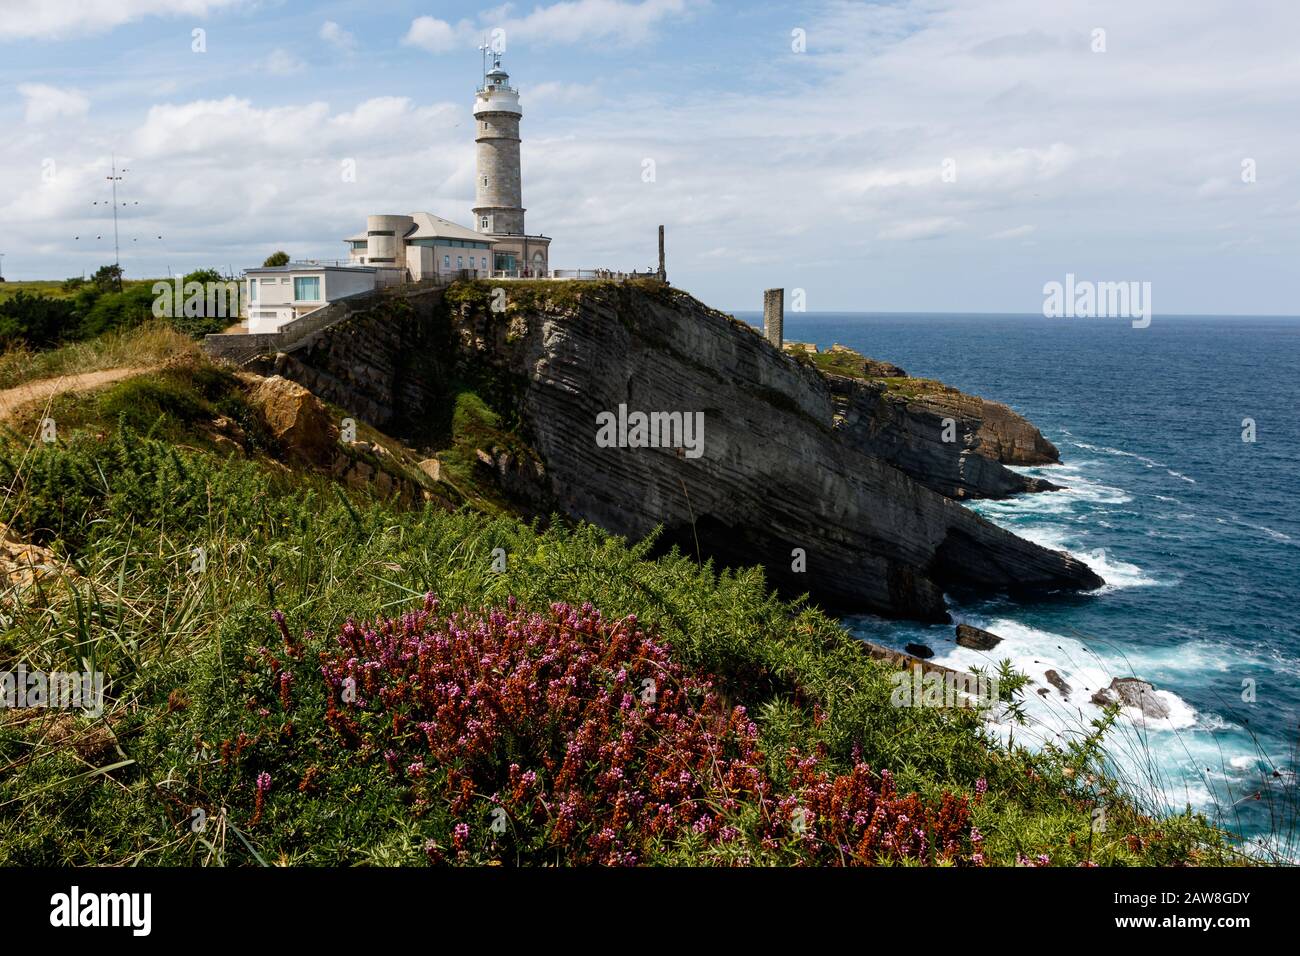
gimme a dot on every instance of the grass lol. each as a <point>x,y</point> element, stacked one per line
<point>180,649</point>
<point>145,345</point>
<point>56,288</point>
<point>182,551</point>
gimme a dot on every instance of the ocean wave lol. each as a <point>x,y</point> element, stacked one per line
<point>1149,462</point>
<point>1169,755</point>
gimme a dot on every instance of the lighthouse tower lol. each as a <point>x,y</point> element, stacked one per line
<point>498,204</point>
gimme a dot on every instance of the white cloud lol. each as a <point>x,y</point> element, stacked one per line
<point>56,19</point>
<point>581,21</point>
<point>336,36</point>
<point>935,228</point>
<point>283,63</point>
<point>1016,232</point>
<point>623,22</point>
<point>45,103</point>
<point>434,35</point>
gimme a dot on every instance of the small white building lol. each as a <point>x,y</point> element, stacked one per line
<point>274,295</point>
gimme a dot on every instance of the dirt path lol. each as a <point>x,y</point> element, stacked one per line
<point>13,398</point>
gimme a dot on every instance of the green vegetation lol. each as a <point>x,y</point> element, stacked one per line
<point>278,258</point>
<point>149,344</point>
<point>190,724</point>
<point>224,739</point>
<point>42,315</point>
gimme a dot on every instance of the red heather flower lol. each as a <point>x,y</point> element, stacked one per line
<point>597,768</point>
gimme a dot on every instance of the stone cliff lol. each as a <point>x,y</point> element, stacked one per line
<point>955,444</point>
<point>787,475</point>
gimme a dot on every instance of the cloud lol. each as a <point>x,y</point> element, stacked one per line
<point>336,36</point>
<point>935,228</point>
<point>45,103</point>
<point>283,63</point>
<point>57,19</point>
<point>582,21</point>
<point>621,22</point>
<point>1016,232</point>
<point>434,35</point>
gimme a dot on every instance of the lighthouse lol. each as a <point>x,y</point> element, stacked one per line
<point>498,187</point>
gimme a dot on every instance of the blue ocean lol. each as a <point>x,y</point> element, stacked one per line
<point>1194,530</point>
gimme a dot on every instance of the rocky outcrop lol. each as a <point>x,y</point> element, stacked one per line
<point>774,482</point>
<point>955,444</point>
<point>295,417</point>
<point>976,639</point>
<point>1133,692</point>
<point>24,566</point>
<point>1057,681</point>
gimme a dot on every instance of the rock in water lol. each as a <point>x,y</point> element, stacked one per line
<point>976,639</point>
<point>1057,681</point>
<point>1133,692</point>
<point>918,650</point>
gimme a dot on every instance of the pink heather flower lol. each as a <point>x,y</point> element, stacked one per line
<point>263,781</point>
<point>981,785</point>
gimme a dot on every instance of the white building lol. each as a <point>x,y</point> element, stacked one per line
<point>422,246</point>
<point>396,248</point>
<point>274,295</point>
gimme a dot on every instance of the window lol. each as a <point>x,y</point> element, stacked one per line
<point>446,262</point>
<point>380,232</point>
<point>252,290</point>
<point>485,262</point>
<point>484,180</point>
<point>483,223</point>
<point>460,262</point>
<point>306,288</point>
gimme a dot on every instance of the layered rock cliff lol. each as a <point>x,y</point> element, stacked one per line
<point>955,444</point>
<point>776,482</point>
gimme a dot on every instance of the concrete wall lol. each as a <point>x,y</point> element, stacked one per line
<point>337,283</point>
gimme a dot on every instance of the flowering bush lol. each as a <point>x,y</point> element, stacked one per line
<point>562,735</point>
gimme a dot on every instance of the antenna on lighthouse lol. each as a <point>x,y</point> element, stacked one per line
<point>484,50</point>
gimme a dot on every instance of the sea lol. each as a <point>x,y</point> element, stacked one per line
<point>1180,447</point>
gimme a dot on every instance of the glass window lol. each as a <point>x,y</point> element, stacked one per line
<point>485,262</point>
<point>483,223</point>
<point>460,262</point>
<point>306,288</point>
<point>252,290</point>
<point>446,262</point>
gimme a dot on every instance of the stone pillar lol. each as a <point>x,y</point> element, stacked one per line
<point>774,316</point>
<point>663,275</point>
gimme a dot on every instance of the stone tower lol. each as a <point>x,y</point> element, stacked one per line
<point>498,205</point>
<point>774,316</point>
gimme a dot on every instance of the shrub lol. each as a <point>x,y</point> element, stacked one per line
<point>563,732</point>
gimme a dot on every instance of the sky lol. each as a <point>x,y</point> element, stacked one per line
<point>916,155</point>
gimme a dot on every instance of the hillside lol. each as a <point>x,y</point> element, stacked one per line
<point>316,652</point>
